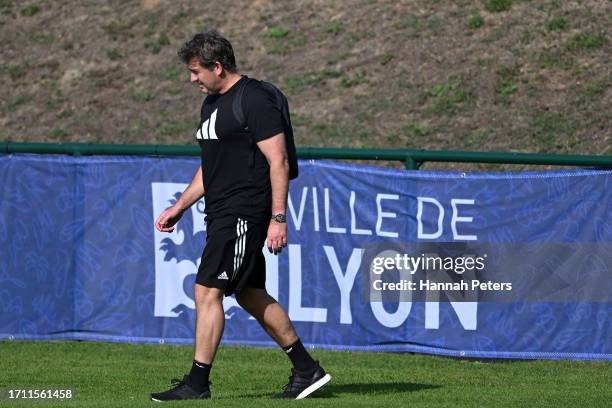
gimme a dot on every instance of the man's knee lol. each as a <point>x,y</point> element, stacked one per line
<point>207,296</point>
<point>250,298</point>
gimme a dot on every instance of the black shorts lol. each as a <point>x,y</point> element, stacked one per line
<point>232,258</point>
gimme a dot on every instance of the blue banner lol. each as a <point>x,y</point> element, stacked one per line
<point>80,257</point>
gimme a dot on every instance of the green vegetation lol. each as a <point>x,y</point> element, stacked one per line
<point>296,83</point>
<point>496,6</point>
<point>342,133</point>
<point>278,32</point>
<point>450,69</point>
<point>333,27</point>
<point>588,41</point>
<point>113,54</point>
<point>507,81</point>
<point>597,88</point>
<point>120,375</point>
<point>58,133</point>
<point>448,96</point>
<point>17,101</point>
<point>416,130</point>
<point>350,81</point>
<point>100,77</point>
<point>155,45</point>
<point>299,120</point>
<point>173,72</point>
<point>357,36</point>
<point>550,127</point>
<point>177,127</point>
<point>30,10</point>
<point>556,23</point>
<point>276,45</point>
<point>337,57</point>
<point>475,21</point>
<point>119,28</point>
<point>43,38</point>
<point>553,60</point>
<point>386,58</point>
<point>144,95</point>
<point>15,71</point>
<point>6,5</point>
<point>476,138</point>
<point>279,49</point>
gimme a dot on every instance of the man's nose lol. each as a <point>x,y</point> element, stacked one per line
<point>194,77</point>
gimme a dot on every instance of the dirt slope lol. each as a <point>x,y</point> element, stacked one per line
<point>487,75</point>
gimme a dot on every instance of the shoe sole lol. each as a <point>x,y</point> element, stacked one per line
<point>318,384</point>
<point>158,400</point>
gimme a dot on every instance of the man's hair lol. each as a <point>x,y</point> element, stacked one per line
<point>209,47</point>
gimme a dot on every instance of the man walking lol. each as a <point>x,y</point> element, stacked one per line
<point>244,179</point>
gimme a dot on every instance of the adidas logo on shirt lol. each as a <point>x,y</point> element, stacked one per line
<point>207,130</point>
<point>223,275</point>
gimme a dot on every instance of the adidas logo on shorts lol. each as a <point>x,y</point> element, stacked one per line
<point>223,275</point>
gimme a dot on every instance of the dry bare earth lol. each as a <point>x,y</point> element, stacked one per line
<point>491,75</point>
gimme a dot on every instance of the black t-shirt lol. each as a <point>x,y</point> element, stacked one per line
<point>236,173</point>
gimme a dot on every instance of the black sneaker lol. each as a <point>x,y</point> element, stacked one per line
<point>182,391</point>
<point>302,384</point>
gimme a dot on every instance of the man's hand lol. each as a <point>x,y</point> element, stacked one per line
<point>168,219</point>
<point>277,237</point>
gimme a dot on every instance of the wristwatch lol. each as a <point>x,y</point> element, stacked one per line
<point>279,218</point>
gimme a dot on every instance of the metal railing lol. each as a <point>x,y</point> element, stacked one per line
<point>412,159</point>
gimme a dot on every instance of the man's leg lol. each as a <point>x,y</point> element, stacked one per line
<point>270,315</point>
<point>210,321</point>
<point>307,376</point>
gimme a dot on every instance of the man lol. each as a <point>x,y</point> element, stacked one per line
<point>244,179</point>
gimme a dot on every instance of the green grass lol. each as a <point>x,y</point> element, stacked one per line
<point>590,41</point>
<point>30,10</point>
<point>113,54</point>
<point>177,127</point>
<point>278,49</point>
<point>333,27</point>
<point>507,82</point>
<point>120,28</point>
<point>350,81</point>
<point>415,130</point>
<point>278,32</point>
<point>123,375</point>
<point>337,57</point>
<point>556,23</point>
<point>295,83</point>
<point>496,6</point>
<point>475,21</point>
<point>173,72</point>
<point>597,88</point>
<point>155,45</point>
<point>17,101</point>
<point>58,133</point>
<point>143,95</point>
<point>449,96</point>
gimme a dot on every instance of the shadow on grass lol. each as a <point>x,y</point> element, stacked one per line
<point>330,390</point>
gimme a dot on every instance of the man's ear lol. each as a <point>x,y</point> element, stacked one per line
<point>218,69</point>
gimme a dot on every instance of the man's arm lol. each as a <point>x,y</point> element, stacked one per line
<point>275,152</point>
<point>170,216</point>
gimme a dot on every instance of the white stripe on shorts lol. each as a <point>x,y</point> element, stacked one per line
<point>240,245</point>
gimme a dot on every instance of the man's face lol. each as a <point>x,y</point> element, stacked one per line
<point>207,79</point>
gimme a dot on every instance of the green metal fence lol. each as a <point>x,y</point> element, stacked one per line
<point>412,159</point>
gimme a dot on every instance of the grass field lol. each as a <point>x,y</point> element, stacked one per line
<point>123,375</point>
